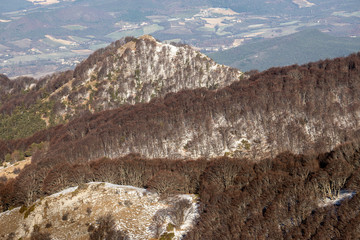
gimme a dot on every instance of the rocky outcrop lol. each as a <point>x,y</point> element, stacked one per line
<point>101,209</point>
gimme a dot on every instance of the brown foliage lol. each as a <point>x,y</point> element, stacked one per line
<point>167,182</point>
<point>273,198</point>
<point>304,92</point>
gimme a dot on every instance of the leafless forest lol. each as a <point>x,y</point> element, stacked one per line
<point>271,188</point>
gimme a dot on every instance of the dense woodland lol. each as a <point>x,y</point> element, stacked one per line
<point>273,194</point>
<point>302,109</point>
<point>276,198</point>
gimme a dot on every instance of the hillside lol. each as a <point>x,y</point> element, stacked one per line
<point>270,155</point>
<point>298,48</point>
<point>96,210</point>
<point>288,197</point>
<point>128,71</point>
<point>301,109</point>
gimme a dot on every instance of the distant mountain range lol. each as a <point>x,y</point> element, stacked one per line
<point>298,48</point>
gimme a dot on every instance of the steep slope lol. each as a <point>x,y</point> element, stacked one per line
<point>96,209</point>
<point>128,71</point>
<point>137,70</point>
<point>302,109</point>
<point>297,48</point>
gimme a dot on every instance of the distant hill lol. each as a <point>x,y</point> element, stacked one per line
<point>298,48</point>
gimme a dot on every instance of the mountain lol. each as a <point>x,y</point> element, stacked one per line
<point>301,109</point>
<point>272,154</point>
<point>130,70</point>
<point>298,48</point>
<point>196,150</point>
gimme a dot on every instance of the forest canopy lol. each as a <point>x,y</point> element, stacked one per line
<point>296,153</point>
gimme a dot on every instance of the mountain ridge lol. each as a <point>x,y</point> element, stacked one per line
<point>242,120</point>
<point>128,71</point>
<point>264,153</point>
<point>239,120</point>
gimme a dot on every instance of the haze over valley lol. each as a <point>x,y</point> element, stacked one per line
<point>169,120</point>
<point>41,37</point>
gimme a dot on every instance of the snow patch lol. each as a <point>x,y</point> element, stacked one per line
<point>89,73</point>
<point>43,2</point>
<point>190,216</point>
<point>173,50</point>
<point>65,191</point>
<point>170,49</point>
<point>344,194</point>
<point>8,212</point>
<point>115,186</point>
<point>303,3</point>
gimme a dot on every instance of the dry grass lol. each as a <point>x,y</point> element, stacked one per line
<point>238,42</point>
<point>8,171</point>
<point>131,45</point>
<point>83,51</point>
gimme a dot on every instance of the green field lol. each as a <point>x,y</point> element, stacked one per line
<point>3,47</point>
<point>152,28</point>
<point>206,29</point>
<point>222,31</point>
